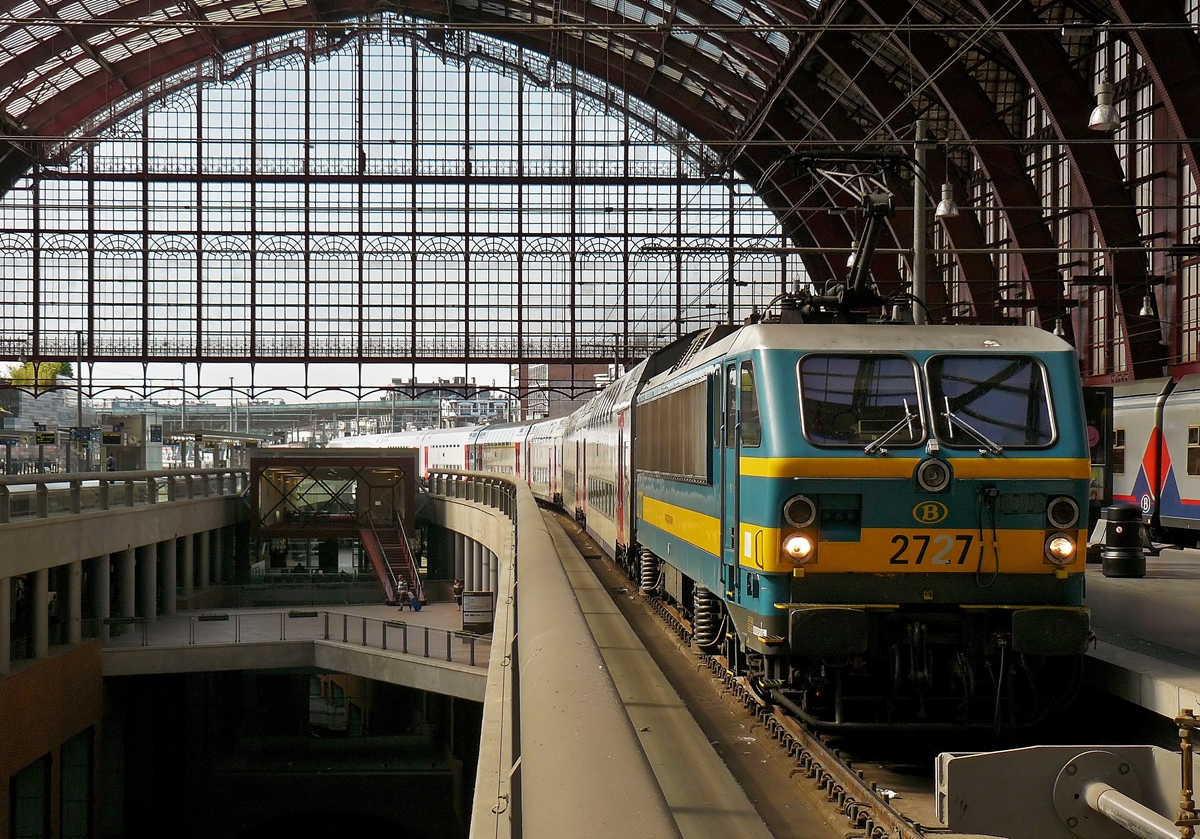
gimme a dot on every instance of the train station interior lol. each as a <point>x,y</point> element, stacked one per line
<point>232,233</point>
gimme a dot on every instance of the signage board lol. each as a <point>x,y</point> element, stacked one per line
<point>478,608</point>
<point>46,438</point>
<point>112,438</point>
<point>156,434</point>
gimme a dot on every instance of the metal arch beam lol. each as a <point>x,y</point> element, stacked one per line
<point>690,111</point>
<point>1068,104</point>
<point>963,231</point>
<point>1001,158</point>
<point>1172,58</point>
<point>63,113</point>
<point>734,87</point>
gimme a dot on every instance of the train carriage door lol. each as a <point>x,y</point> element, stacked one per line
<point>731,478</point>
<point>620,488</point>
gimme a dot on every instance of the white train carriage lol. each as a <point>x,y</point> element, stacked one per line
<point>544,459</point>
<point>498,448</point>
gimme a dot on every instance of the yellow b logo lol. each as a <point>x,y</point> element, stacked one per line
<point>930,512</point>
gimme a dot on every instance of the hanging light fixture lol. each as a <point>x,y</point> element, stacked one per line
<point>853,253</point>
<point>1147,310</point>
<point>946,208</point>
<point>1104,116</point>
<point>1059,332</point>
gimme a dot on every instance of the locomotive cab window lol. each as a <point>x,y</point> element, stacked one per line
<point>1118,452</point>
<point>748,410</point>
<point>1193,450</point>
<point>990,401</point>
<point>853,400</point>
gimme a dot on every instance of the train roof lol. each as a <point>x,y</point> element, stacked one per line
<point>889,337</point>
<point>880,337</point>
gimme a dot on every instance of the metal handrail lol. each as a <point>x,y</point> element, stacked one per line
<point>393,580</point>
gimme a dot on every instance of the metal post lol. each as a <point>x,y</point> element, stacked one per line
<point>920,243</point>
<point>1187,818</point>
<point>79,397</point>
<point>183,443</point>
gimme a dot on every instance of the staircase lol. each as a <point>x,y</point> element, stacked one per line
<point>392,559</point>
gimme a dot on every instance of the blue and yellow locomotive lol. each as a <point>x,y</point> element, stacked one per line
<point>877,525</point>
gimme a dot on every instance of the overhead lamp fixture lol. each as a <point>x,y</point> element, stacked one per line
<point>1104,116</point>
<point>1147,310</point>
<point>853,253</point>
<point>1059,332</point>
<point>946,208</point>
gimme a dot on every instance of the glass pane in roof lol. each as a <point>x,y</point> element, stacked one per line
<point>99,8</point>
<point>734,11</point>
<point>709,48</point>
<point>26,10</point>
<point>17,41</point>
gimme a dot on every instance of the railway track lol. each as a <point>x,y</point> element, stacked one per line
<point>857,798</point>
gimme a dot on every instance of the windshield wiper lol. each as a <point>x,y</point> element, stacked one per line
<point>953,419</point>
<point>878,443</point>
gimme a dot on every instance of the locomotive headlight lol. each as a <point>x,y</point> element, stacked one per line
<point>933,475</point>
<point>1060,549</point>
<point>1062,512</point>
<point>798,547</point>
<point>800,511</point>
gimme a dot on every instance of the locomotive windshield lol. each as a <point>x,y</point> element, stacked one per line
<point>997,402</point>
<point>854,400</point>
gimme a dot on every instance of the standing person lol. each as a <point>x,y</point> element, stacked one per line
<point>403,596</point>
<point>110,465</point>
<point>458,590</point>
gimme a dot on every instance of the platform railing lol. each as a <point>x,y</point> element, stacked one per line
<point>220,628</point>
<point>24,497</point>
<point>551,713</point>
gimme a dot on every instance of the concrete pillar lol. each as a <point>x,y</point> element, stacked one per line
<point>471,565</point>
<point>189,562</point>
<point>102,593</point>
<point>126,583</point>
<point>75,602</point>
<point>457,542</point>
<point>168,555</point>
<point>147,568</point>
<point>41,613</point>
<point>206,542</point>
<point>5,624</point>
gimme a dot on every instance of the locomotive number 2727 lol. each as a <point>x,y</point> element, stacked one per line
<point>939,549</point>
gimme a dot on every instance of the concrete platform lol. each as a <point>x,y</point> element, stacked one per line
<point>1148,628</point>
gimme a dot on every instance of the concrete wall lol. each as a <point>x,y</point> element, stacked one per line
<point>40,709</point>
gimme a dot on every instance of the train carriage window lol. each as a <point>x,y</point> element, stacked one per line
<point>990,400</point>
<point>1193,450</point>
<point>748,416</point>
<point>851,400</point>
<point>1118,453</point>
